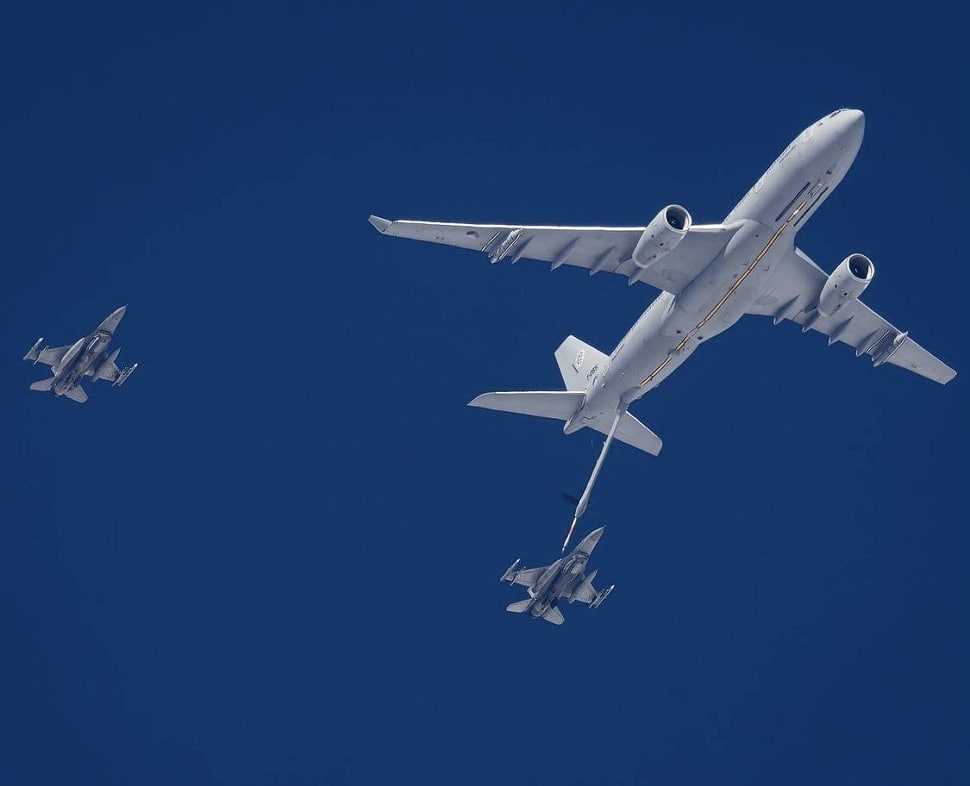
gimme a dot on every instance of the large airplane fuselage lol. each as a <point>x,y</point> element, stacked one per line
<point>768,216</point>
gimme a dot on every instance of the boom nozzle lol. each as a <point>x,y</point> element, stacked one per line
<point>584,499</point>
<point>569,534</point>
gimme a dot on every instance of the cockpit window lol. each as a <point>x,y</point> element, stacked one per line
<point>837,111</point>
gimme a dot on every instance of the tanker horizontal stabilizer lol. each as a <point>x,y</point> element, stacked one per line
<point>632,432</point>
<point>556,404</point>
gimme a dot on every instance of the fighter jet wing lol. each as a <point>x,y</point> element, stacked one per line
<point>51,356</point>
<point>584,593</point>
<point>108,370</point>
<point>594,248</point>
<point>793,293</point>
<point>528,577</point>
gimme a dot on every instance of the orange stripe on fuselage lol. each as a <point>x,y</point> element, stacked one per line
<point>723,299</point>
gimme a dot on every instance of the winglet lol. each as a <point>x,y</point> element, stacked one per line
<point>380,224</point>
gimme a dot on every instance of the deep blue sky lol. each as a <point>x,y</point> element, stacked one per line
<point>272,557</point>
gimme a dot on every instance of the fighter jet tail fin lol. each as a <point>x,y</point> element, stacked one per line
<point>554,616</point>
<point>43,385</point>
<point>519,606</point>
<point>577,362</point>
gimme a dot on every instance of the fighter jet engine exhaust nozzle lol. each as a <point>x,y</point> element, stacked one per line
<point>662,235</point>
<point>847,282</point>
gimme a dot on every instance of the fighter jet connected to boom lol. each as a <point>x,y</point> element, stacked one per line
<point>563,579</point>
<point>710,276</point>
<point>86,357</point>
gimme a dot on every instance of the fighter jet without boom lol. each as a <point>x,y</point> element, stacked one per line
<point>710,276</point>
<point>565,579</point>
<point>86,357</point>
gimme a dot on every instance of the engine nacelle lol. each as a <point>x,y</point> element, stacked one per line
<point>846,283</point>
<point>662,235</point>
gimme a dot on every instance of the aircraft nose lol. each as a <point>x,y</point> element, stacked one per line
<point>853,126</point>
<point>854,116</point>
<point>589,542</point>
<point>112,320</point>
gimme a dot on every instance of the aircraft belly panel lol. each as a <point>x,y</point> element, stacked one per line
<point>644,356</point>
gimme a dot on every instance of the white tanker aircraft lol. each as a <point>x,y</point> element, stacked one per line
<point>710,276</point>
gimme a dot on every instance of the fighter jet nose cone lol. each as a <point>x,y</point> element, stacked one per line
<point>112,320</point>
<point>589,542</point>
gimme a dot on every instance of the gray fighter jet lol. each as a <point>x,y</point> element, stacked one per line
<point>564,579</point>
<point>87,357</point>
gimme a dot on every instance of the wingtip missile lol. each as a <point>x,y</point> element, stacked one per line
<point>598,600</point>
<point>509,574</point>
<point>125,373</point>
<point>33,354</point>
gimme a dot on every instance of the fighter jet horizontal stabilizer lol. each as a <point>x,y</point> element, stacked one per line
<point>554,616</point>
<point>43,385</point>
<point>77,393</point>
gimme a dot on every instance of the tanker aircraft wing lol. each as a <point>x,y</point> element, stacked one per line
<point>793,293</point>
<point>594,248</point>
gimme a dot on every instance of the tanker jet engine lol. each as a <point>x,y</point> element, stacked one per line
<point>86,357</point>
<point>710,276</point>
<point>563,579</point>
